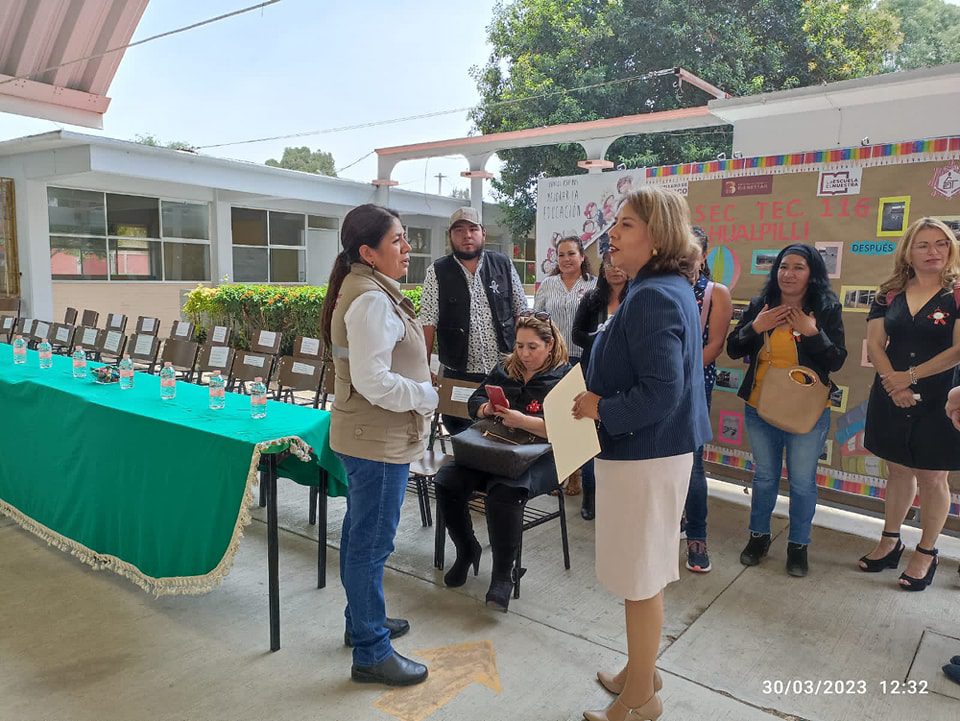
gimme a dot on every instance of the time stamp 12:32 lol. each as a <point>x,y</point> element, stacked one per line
<point>842,687</point>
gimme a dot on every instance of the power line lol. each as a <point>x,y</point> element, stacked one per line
<point>39,73</point>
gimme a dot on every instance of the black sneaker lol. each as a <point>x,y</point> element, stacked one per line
<point>797,559</point>
<point>697,559</point>
<point>756,548</point>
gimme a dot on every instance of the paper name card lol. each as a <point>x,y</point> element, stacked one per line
<point>267,338</point>
<point>144,345</point>
<point>41,330</point>
<point>219,334</point>
<point>63,334</point>
<point>253,360</point>
<point>304,369</point>
<point>112,343</point>
<point>89,336</point>
<point>219,355</point>
<point>182,329</point>
<point>149,324</point>
<point>114,321</point>
<point>459,394</point>
<point>8,323</point>
<point>310,346</point>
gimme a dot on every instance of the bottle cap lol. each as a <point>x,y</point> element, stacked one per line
<point>126,356</point>
<point>18,337</point>
<point>258,379</point>
<point>78,347</point>
<point>167,364</point>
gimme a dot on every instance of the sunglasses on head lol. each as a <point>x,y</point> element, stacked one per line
<point>538,314</point>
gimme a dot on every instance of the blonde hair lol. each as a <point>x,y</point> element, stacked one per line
<point>903,271</point>
<point>668,219</point>
<point>546,331</point>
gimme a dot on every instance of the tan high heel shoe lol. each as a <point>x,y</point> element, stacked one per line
<point>609,682</point>
<point>650,711</point>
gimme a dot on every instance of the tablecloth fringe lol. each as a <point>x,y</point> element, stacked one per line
<point>172,585</point>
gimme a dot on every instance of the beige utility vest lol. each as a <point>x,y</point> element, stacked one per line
<point>357,427</point>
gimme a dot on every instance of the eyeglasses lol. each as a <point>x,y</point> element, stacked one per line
<point>538,314</point>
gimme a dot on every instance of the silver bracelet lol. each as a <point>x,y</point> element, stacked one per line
<point>913,375</point>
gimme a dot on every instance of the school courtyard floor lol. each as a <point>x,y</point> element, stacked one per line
<point>744,644</point>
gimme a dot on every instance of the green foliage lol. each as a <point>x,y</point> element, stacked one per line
<point>742,46</point>
<point>931,33</point>
<point>154,142</point>
<point>305,160</point>
<point>248,308</point>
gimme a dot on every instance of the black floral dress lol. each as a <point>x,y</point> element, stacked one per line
<point>921,436</point>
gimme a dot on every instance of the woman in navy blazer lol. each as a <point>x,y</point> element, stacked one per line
<point>645,383</point>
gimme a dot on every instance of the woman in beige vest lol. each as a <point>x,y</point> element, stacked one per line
<point>382,399</point>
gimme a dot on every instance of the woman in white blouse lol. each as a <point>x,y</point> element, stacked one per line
<point>559,294</point>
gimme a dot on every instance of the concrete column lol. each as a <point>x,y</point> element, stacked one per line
<point>596,150</point>
<point>477,174</point>
<point>33,246</point>
<point>221,251</point>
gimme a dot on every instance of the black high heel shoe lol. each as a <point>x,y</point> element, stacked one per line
<point>457,575</point>
<point>891,560</point>
<point>920,584</point>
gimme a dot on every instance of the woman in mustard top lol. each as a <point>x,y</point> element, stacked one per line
<point>800,315</point>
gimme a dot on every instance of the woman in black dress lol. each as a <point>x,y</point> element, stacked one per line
<point>916,311</point>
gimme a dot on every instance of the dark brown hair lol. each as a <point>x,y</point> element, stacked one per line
<point>584,263</point>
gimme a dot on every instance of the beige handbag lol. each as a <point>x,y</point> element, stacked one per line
<point>792,399</point>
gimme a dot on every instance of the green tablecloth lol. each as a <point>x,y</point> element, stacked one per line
<point>157,491</point>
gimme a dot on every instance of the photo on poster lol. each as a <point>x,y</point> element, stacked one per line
<point>762,261</point>
<point>952,222</point>
<point>826,455</point>
<point>838,399</point>
<point>728,380</point>
<point>730,428</point>
<point>832,254</point>
<point>858,298</point>
<point>865,356</point>
<point>893,216</point>
<point>739,307</point>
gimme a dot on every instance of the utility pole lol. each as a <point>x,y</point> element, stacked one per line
<point>440,177</point>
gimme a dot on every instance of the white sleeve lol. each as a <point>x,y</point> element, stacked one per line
<point>373,330</point>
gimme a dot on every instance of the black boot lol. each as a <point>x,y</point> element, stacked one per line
<point>505,526</point>
<point>587,509</point>
<point>756,548</point>
<point>456,515</point>
<point>797,560</point>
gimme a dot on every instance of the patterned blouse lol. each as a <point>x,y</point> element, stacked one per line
<point>554,298</point>
<point>709,371</point>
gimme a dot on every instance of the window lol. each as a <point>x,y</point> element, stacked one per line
<point>525,260</point>
<point>269,245</point>
<point>111,236</point>
<point>419,239</point>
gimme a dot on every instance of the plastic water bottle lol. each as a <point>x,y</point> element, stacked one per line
<point>218,391</point>
<point>19,350</point>
<point>126,372</point>
<point>45,351</point>
<point>79,362</point>
<point>168,382</point>
<point>258,399</point>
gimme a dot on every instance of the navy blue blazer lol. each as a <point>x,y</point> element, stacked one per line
<point>647,368</point>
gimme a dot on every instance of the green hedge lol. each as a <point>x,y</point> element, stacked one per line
<point>248,308</point>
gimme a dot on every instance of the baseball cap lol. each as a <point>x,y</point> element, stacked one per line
<point>468,214</point>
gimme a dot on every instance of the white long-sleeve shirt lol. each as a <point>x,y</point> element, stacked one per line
<point>373,330</point>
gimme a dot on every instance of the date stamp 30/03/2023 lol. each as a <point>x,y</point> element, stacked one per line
<point>841,687</point>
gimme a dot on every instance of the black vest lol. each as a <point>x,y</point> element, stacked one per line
<point>453,323</point>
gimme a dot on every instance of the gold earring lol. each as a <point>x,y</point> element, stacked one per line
<point>655,252</point>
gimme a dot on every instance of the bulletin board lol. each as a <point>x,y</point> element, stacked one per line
<point>853,205</point>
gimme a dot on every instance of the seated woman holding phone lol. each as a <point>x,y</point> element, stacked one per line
<point>513,392</point>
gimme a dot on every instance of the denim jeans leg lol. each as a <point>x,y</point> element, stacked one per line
<point>696,505</point>
<point>766,442</point>
<point>374,496</point>
<point>803,452</point>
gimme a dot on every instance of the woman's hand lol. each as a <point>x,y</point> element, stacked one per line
<point>903,398</point>
<point>896,381</point>
<point>586,405</point>
<point>769,318</point>
<point>485,410</point>
<point>802,323</point>
<point>953,407</point>
<point>510,418</point>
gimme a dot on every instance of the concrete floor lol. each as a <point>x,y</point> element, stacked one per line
<point>78,645</point>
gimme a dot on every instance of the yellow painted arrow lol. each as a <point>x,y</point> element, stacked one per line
<point>452,669</point>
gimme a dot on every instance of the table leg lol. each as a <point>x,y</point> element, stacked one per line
<point>270,480</point>
<point>322,529</point>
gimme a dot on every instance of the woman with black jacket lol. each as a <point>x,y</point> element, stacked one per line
<point>800,316</point>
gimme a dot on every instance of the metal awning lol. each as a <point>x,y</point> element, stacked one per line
<point>36,36</point>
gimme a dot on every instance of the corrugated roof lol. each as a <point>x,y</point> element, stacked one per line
<point>39,34</point>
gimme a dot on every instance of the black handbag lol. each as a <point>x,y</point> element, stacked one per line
<point>491,447</point>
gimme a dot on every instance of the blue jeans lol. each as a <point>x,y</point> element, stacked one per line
<point>375,493</point>
<point>767,443</point>
<point>696,505</point>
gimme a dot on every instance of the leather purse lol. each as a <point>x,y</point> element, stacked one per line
<point>791,399</point>
<point>491,447</point>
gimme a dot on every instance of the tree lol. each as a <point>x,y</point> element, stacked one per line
<point>931,33</point>
<point>460,193</point>
<point>154,142</point>
<point>744,46</point>
<point>305,160</point>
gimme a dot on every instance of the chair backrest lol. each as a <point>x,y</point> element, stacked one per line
<point>305,347</point>
<point>248,365</point>
<point>112,343</point>
<point>61,335</point>
<point>88,338</point>
<point>147,325</point>
<point>10,306</point>
<point>215,357</point>
<point>24,327</point>
<point>181,330</point>
<point>454,395</point>
<point>7,324</point>
<point>117,321</point>
<point>40,331</point>
<point>70,316</point>
<point>144,348</point>
<point>219,335</point>
<point>182,354</point>
<point>265,341</point>
<point>90,318</point>
<point>299,374</point>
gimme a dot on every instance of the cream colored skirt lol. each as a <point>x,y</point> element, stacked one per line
<point>639,504</point>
